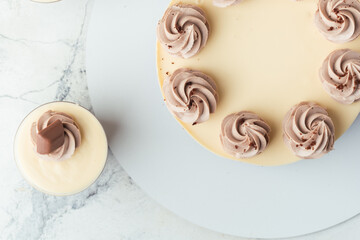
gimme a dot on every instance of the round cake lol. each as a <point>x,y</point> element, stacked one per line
<point>232,71</point>
<point>60,148</point>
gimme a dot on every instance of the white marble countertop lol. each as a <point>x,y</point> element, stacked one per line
<point>42,49</point>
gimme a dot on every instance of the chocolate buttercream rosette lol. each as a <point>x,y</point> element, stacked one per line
<point>308,130</point>
<point>338,20</point>
<point>340,75</point>
<point>184,30</point>
<point>190,95</point>
<point>244,134</point>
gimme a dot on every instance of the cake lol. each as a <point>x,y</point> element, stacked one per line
<point>60,148</point>
<point>221,60</point>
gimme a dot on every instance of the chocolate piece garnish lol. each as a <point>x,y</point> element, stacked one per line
<point>55,136</point>
<point>50,138</point>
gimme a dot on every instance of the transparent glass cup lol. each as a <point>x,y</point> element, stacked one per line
<point>71,176</point>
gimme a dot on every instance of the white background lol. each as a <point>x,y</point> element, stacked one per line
<point>41,60</point>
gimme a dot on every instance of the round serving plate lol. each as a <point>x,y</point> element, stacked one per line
<point>220,194</point>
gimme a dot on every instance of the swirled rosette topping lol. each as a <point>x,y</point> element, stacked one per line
<point>55,136</point>
<point>225,3</point>
<point>340,75</point>
<point>184,30</point>
<point>338,20</point>
<point>244,134</point>
<point>308,130</point>
<point>190,95</point>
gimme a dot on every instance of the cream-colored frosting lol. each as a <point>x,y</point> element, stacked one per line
<point>340,75</point>
<point>184,30</point>
<point>244,134</point>
<point>225,3</point>
<point>71,132</point>
<point>338,20</point>
<point>190,95</point>
<point>68,176</point>
<point>308,130</point>
<point>262,67</point>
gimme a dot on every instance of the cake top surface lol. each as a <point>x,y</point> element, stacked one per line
<point>265,57</point>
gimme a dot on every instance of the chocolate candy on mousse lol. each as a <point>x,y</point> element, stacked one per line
<point>55,136</point>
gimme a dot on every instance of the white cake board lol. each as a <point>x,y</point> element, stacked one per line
<point>216,193</point>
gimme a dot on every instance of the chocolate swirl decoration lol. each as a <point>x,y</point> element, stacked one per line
<point>71,135</point>
<point>190,95</point>
<point>340,76</point>
<point>184,30</point>
<point>225,3</point>
<point>244,134</point>
<point>338,20</point>
<point>308,130</point>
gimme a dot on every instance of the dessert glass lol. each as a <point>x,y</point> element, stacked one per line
<point>71,176</point>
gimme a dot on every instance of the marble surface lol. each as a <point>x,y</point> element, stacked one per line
<point>42,52</point>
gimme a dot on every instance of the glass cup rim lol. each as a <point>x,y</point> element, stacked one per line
<point>33,185</point>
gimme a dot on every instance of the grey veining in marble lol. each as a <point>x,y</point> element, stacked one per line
<point>42,50</point>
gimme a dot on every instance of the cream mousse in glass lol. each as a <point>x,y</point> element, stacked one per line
<point>60,148</point>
